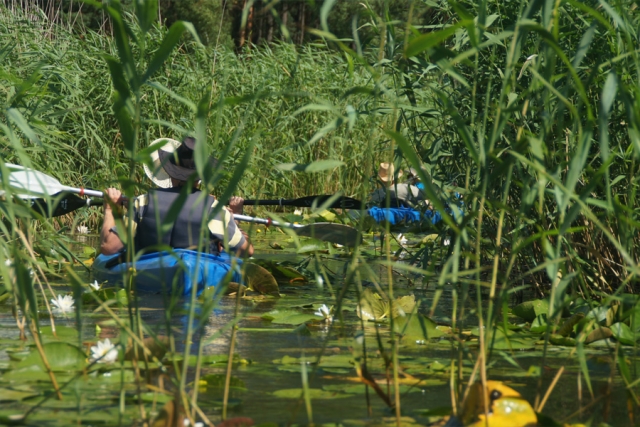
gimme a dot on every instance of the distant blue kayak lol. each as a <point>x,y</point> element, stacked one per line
<point>175,273</point>
<point>403,216</point>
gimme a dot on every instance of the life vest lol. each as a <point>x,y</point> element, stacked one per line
<point>185,230</point>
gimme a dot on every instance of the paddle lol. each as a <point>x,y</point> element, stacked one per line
<point>61,206</point>
<point>29,181</point>
<point>327,231</point>
<point>37,183</point>
<point>304,202</point>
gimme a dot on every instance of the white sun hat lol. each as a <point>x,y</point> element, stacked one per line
<point>158,175</point>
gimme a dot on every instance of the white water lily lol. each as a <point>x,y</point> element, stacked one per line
<point>104,352</point>
<point>297,212</point>
<point>401,239</point>
<point>95,286</point>
<point>82,229</point>
<point>325,312</point>
<point>187,423</point>
<point>63,304</point>
<point>8,262</point>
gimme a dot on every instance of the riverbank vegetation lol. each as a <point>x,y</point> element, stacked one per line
<point>528,110</point>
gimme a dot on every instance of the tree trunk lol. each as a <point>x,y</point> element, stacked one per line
<point>270,26</point>
<point>243,28</point>
<point>301,20</point>
<point>285,14</point>
<point>260,23</point>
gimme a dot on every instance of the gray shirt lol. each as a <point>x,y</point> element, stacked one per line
<point>405,192</point>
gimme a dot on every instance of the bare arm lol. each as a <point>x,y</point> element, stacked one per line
<point>236,205</point>
<point>246,248</point>
<point>110,243</point>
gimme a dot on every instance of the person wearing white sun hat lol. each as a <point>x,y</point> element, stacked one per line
<point>400,195</point>
<point>173,169</point>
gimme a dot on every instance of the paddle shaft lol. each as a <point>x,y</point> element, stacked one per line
<point>81,191</point>
<point>267,222</point>
<point>308,201</point>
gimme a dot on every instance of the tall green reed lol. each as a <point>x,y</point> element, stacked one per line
<point>503,104</point>
<point>515,134</point>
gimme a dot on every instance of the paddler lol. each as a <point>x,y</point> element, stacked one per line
<point>174,168</point>
<point>414,179</point>
<point>400,194</point>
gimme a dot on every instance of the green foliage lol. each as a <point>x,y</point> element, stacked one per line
<point>527,109</point>
<point>211,18</point>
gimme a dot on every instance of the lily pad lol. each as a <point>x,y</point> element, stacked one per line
<point>557,339</point>
<point>623,333</point>
<point>259,279</point>
<point>417,328</point>
<point>360,388</point>
<point>404,306</point>
<point>567,327</point>
<point>603,314</point>
<point>208,360</point>
<point>119,295</point>
<point>312,246</point>
<point>539,324</point>
<point>332,361</point>
<point>634,318</point>
<point>314,393</point>
<point>288,317</point>
<point>61,356</point>
<point>528,310</point>
<point>599,333</point>
<point>62,333</point>
<point>510,340</point>
<point>151,397</point>
<point>372,306</point>
<point>282,273</point>
<point>10,395</point>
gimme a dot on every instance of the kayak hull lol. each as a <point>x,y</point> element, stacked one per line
<point>177,272</point>
<point>403,216</point>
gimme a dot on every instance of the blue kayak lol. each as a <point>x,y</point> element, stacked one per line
<point>173,272</point>
<point>402,216</point>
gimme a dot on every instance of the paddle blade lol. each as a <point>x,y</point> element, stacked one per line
<point>60,206</point>
<point>329,232</point>
<point>33,182</point>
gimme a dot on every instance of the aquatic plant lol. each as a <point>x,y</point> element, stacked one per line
<point>104,352</point>
<point>63,304</point>
<point>514,133</point>
<point>325,312</point>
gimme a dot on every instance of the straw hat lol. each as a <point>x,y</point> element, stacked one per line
<point>386,172</point>
<point>173,160</point>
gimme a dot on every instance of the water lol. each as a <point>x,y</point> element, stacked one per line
<point>271,354</point>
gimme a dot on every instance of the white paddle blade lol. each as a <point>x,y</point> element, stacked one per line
<point>34,182</point>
